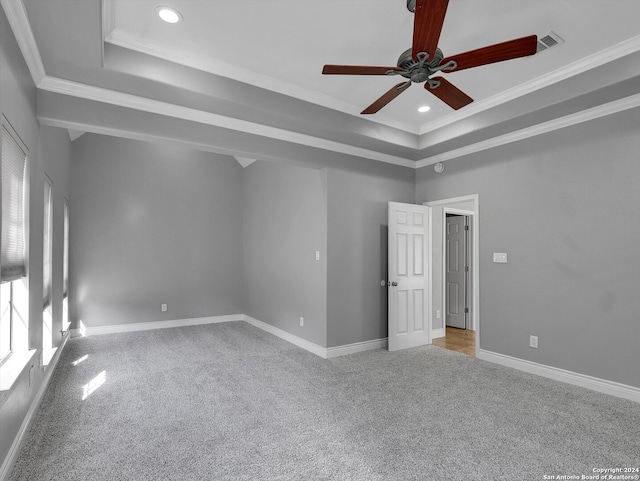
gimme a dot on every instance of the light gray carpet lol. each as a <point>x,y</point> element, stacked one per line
<point>231,402</point>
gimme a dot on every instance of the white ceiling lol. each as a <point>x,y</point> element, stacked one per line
<point>243,78</point>
<point>281,45</point>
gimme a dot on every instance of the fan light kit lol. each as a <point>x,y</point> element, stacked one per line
<point>424,59</point>
<point>169,15</point>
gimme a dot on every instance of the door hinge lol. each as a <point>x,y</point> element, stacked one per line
<point>466,227</point>
<point>466,269</point>
<point>466,310</point>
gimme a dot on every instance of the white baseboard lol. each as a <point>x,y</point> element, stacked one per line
<point>437,333</point>
<point>14,450</point>
<point>325,353</point>
<point>298,341</point>
<point>145,326</point>
<point>356,347</point>
<point>601,385</point>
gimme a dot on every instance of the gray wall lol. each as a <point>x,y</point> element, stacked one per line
<point>285,223</point>
<point>153,224</point>
<point>290,212</point>
<point>49,151</point>
<point>562,205</point>
<point>246,239</point>
<point>357,248</point>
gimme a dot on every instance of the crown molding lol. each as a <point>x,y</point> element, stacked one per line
<point>125,40</point>
<point>17,16</point>
<point>128,134</point>
<point>66,87</point>
<point>98,94</point>
<point>556,124</point>
<point>209,65</point>
<point>583,65</point>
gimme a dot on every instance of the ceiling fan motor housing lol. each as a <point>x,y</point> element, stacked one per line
<point>418,71</point>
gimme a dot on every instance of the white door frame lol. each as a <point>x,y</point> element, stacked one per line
<point>449,206</point>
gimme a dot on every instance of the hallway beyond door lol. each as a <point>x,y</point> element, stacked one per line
<point>459,340</point>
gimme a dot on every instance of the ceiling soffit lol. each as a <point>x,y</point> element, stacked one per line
<point>324,129</point>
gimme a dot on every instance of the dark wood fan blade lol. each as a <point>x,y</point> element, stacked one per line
<point>427,25</point>
<point>391,94</point>
<point>357,70</point>
<point>520,47</point>
<point>449,93</point>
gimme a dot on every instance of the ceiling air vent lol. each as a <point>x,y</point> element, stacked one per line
<point>549,40</point>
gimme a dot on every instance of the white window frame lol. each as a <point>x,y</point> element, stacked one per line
<point>12,365</point>
<point>48,345</point>
<point>65,270</point>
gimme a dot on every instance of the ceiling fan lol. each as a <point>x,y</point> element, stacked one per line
<point>424,58</point>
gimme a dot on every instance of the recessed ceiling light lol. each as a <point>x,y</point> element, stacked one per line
<point>424,108</point>
<point>169,15</point>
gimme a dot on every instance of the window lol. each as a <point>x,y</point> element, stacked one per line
<point>47,261</point>
<point>6,323</point>
<point>65,270</point>
<point>13,325</point>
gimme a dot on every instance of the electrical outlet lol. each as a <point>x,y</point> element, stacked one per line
<point>302,322</point>
<point>533,342</point>
<point>438,314</point>
<point>163,308</point>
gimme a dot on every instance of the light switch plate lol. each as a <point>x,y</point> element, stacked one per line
<point>500,257</point>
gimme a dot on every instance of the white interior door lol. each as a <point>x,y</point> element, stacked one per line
<point>456,267</point>
<point>408,276</point>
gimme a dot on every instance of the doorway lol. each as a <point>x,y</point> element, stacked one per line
<point>465,336</point>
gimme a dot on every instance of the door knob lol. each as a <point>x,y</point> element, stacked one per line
<point>392,283</point>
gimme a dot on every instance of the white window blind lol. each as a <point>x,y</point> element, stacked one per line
<point>47,245</point>
<point>12,258</point>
